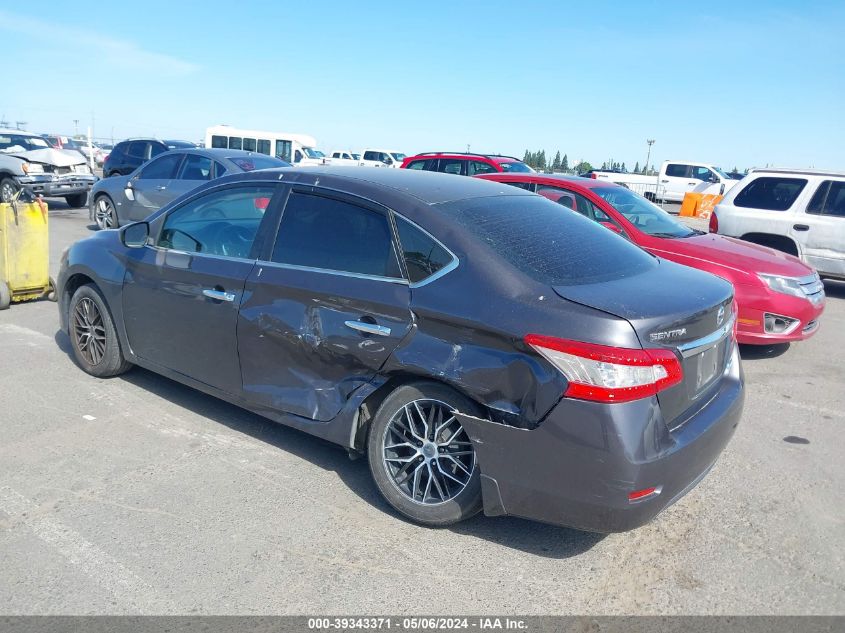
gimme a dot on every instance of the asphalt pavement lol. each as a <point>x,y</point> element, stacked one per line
<point>138,495</point>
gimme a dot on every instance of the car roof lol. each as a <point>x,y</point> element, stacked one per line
<point>7,130</point>
<point>425,186</point>
<point>587,183</point>
<point>796,172</point>
<point>499,158</point>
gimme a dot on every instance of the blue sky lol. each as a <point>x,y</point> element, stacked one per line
<point>737,83</point>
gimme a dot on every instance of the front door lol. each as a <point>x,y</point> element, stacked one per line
<point>325,311</point>
<point>150,185</point>
<point>181,295</point>
<point>677,180</point>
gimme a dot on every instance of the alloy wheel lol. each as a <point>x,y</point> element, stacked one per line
<point>8,191</point>
<point>104,213</point>
<point>89,331</point>
<point>426,452</point>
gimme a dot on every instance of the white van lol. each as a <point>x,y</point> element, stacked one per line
<point>801,212</point>
<point>298,149</point>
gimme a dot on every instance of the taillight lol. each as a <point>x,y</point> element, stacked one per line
<point>609,374</point>
<point>593,176</point>
<point>713,227</point>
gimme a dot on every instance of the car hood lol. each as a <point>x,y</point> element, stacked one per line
<point>50,156</point>
<point>733,255</point>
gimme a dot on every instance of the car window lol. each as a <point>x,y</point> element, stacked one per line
<point>702,173</point>
<point>137,149</point>
<point>163,168</point>
<point>450,165</point>
<point>424,256</point>
<point>476,167</point>
<point>416,164</point>
<point>224,222</point>
<point>195,167</point>
<point>219,170</point>
<point>574,201</point>
<point>251,163</point>
<point>235,142</point>
<point>515,166</point>
<point>369,155</point>
<point>677,170</point>
<point>772,193</point>
<point>220,142</point>
<point>647,217</point>
<point>329,234</point>
<point>548,243</point>
<point>829,199</point>
<point>157,148</point>
<point>249,144</point>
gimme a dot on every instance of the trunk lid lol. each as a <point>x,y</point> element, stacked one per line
<point>678,308</point>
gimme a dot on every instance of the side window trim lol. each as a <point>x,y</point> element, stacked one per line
<point>266,254</point>
<point>452,265</point>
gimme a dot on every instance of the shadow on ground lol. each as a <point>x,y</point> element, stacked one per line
<point>527,536</point>
<point>758,352</point>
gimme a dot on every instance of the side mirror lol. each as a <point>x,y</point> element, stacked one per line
<point>135,235</point>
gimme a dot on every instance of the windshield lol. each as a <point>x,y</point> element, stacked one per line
<point>647,217</point>
<point>257,162</point>
<point>398,156</point>
<point>516,166</point>
<point>356,156</point>
<point>549,242</point>
<point>310,152</point>
<point>721,172</point>
<point>10,143</point>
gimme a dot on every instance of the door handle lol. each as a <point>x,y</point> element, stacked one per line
<point>161,188</point>
<point>694,182</point>
<point>219,295</point>
<point>368,328</point>
<point>664,181</point>
<point>800,227</point>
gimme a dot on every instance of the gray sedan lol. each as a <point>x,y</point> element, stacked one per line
<point>121,199</point>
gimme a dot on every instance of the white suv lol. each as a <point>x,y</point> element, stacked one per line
<point>801,212</point>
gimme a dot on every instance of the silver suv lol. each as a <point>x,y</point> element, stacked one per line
<point>801,212</point>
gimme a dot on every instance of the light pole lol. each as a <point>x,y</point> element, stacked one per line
<point>648,156</point>
<point>75,127</point>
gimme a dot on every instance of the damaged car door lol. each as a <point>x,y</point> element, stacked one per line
<point>325,310</point>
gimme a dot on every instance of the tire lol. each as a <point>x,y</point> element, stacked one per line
<point>418,492</point>
<point>93,338</point>
<point>105,215</point>
<point>5,296</point>
<point>77,200</point>
<point>8,189</point>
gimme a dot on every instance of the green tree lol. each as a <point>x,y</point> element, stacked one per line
<point>603,166</point>
<point>584,166</point>
<point>541,159</point>
<point>556,162</point>
<point>564,163</point>
<point>623,166</point>
<point>526,158</point>
<point>637,168</point>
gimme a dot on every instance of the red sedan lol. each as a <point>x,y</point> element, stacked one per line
<point>780,298</point>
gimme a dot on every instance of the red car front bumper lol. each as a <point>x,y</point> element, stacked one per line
<point>755,304</point>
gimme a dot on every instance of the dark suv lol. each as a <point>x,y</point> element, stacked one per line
<point>128,155</point>
<point>464,164</point>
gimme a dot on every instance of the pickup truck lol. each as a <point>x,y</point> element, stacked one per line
<point>382,158</point>
<point>675,179</point>
<point>27,161</point>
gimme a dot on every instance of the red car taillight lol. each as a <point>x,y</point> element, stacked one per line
<point>593,176</point>
<point>713,227</point>
<point>609,374</point>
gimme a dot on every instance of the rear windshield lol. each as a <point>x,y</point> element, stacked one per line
<point>251,163</point>
<point>516,166</point>
<point>549,242</point>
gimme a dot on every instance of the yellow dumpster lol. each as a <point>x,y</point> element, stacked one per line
<point>24,253</point>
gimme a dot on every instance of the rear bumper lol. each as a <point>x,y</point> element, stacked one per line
<point>579,465</point>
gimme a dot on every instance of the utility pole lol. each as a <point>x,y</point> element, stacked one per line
<point>648,156</point>
<point>467,148</point>
<point>76,127</point>
<point>18,124</point>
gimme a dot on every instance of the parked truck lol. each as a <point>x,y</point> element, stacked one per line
<point>675,179</point>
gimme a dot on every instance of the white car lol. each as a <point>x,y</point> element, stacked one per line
<point>801,212</point>
<point>382,158</point>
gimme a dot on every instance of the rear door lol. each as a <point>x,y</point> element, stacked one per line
<point>182,292</point>
<point>194,171</point>
<point>150,186</point>
<point>677,180</point>
<point>324,307</point>
<point>822,228</point>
